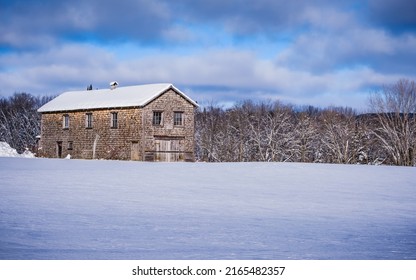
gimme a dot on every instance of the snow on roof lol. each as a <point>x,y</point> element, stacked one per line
<point>130,96</point>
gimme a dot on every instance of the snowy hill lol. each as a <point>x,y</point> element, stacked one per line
<point>74,209</point>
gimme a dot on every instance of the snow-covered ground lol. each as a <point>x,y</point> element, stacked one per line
<point>79,209</point>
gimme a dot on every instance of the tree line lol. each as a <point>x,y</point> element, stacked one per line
<point>276,132</point>
<point>273,131</point>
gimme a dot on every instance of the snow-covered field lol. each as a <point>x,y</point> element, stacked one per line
<point>79,209</point>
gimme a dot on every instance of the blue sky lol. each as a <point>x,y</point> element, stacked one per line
<point>315,52</point>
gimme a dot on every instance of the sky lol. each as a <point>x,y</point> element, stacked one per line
<point>305,52</point>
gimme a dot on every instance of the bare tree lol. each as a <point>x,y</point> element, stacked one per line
<point>306,136</point>
<point>395,127</point>
<point>19,120</point>
<point>272,131</point>
<point>340,136</point>
<point>209,123</point>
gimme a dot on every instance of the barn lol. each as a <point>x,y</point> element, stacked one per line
<point>152,122</point>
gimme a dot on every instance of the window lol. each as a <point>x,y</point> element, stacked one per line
<point>157,118</point>
<point>178,118</point>
<point>88,120</point>
<point>65,121</point>
<point>70,145</point>
<point>114,120</point>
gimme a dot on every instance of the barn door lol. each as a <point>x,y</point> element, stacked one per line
<point>168,149</point>
<point>163,150</point>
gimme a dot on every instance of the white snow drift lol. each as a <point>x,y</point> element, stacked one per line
<point>7,151</point>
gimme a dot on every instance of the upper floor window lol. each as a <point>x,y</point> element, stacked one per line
<point>157,118</point>
<point>178,118</point>
<point>65,121</point>
<point>88,120</point>
<point>114,120</point>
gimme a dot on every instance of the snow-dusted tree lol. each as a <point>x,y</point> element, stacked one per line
<point>209,124</point>
<point>272,132</point>
<point>395,121</point>
<point>306,137</point>
<point>19,120</point>
<point>239,145</point>
<point>339,135</point>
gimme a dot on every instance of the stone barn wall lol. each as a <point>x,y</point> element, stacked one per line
<point>79,141</point>
<point>183,135</point>
<point>129,140</point>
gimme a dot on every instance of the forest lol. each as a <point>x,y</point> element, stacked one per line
<point>270,131</point>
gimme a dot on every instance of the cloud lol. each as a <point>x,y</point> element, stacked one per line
<point>346,44</point>
<point>35,23</point>
<point>240,18</point>
<point>304,52</point>
<point>396,15</point>
<point>70,66</point>
<point>223,75</point>
<point>29,24</point>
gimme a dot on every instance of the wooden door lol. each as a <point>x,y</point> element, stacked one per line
<point>168,150</point>
<point>175,147</point>
<point>163,150</point>
<point>135,151</point>
<point>59,149</point>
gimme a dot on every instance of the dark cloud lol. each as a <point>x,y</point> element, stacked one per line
<point>395,15</point>
<point>37,21</point>
<point>321,52</point>
<point>244,18</point>
<point>239,16</point>
<point>31,23</point>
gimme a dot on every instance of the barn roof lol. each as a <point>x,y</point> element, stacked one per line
<point>130,96</point>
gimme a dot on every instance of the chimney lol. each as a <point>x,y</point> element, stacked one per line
<point>113,85</point>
